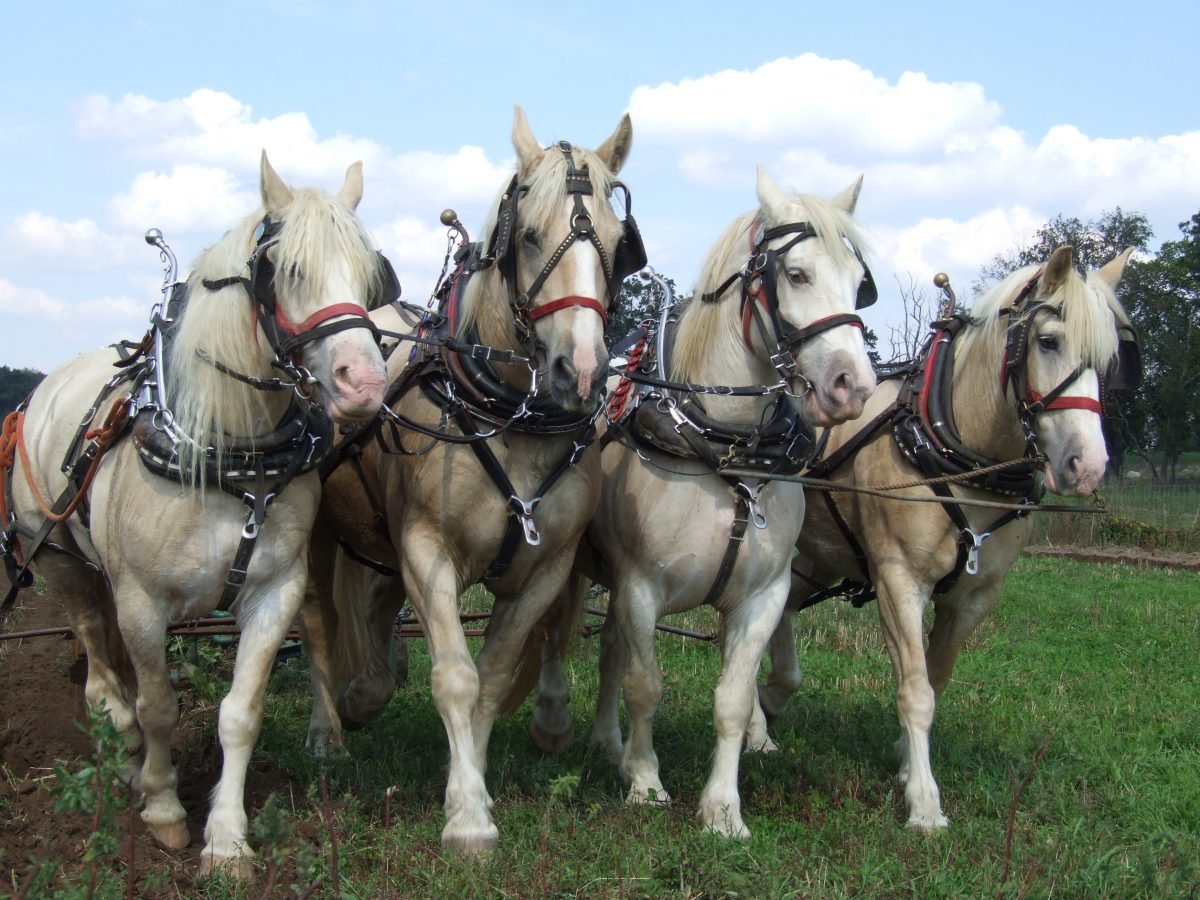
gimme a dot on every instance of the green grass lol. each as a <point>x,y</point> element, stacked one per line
<point>1097,664</point>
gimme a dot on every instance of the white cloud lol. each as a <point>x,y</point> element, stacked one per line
<point>416,250</point>
<point>959,247</point>
<point>215,129</point>
<point>80,245</point>
<point>30,302</point>
<point>834,102</point>
<point>188,197</point>
<point>928,149</point>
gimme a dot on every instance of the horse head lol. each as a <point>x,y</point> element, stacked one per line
<point>323,274</point>
<point>563,252</point>
<point>1067,334</point>
<point>806,252</point>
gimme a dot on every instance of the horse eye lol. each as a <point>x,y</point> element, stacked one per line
<point>531,239</point>
<point>797,277</point>
<point>1048,342</point>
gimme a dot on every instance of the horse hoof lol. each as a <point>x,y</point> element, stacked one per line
<point>470,842</point>
<point>240,867</point>
<point>649,797</point>
<point>552,743</point>
<point>173,835</point>
<point>928,824</point>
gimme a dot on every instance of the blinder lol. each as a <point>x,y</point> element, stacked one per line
<point>1124,372</point>
<point>630,253</point>
<point>868,293</point>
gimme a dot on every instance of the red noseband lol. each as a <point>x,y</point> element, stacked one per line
<point>539,312</point>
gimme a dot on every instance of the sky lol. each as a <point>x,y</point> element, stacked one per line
<point>972,124</point>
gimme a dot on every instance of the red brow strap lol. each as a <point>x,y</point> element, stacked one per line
<point>321,315</point>
<point>554,306</point>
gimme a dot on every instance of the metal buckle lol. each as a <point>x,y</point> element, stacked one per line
<point>524,512</point>
<point>757,516</point>
<point>972,566</point>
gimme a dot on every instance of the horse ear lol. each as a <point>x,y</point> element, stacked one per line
<point>848,198</point>
<point>529,151</point>
<point>614,151</point>
<point>275,194</point>
<point>1058,267</point>
<point>1110,273</point>
<point>769,194</point>
<point>352,190</point>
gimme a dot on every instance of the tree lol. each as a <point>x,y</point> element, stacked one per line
<point>1095,242</point>
<point>15,385</point>
<point>1163,297</point>
<point>638,300</point>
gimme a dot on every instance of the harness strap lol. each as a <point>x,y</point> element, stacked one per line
<point>737,535</point>
<point>520,511</point>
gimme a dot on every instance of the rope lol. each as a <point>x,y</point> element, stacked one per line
<point>823,485</point>
<point>616,403</point>
<point>104,436</point>
<point>954,479</point>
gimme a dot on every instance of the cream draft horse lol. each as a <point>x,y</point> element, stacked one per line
<point>1073,330</point>
<point>165,547</point>
<point>663,524</point>
<point>445,521</point>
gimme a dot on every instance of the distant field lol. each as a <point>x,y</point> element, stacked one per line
<point>1142,513</point>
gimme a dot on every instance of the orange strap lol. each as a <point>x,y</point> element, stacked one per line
<point>13,435</point>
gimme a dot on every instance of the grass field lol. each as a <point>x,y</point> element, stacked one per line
<point>1082,691</point>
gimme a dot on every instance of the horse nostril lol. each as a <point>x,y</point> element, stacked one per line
<point>562,370</point>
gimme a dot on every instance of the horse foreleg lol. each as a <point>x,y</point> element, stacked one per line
<point>552,727</point>
<point>265,626</point>
<point>606,726</point>
<point>901,606</point>
<point>367,605</point>
<point>744,635</point>
<point>637,613</point>
<point>785,678</point>
<point>455,684</point>
<point>318,627</point>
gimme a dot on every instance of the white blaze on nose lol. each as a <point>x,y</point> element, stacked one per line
<point>584,323</point>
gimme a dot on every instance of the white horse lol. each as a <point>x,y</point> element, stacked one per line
<point>1023,376</point>
<point>151,550</point>
<point>670,532</point>
<point>479,472</point>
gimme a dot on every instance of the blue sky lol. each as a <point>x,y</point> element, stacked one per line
<point>972,124</point>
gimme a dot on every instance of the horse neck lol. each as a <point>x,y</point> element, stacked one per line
<point>984,413</point>
<point>710,350</point>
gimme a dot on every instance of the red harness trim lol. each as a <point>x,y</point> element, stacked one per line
<point>1086,403</point>
<point>321,315</point>
<point>539,312</point>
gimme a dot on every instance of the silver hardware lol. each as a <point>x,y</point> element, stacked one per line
<point>977,540</point>
<point>533,537</point>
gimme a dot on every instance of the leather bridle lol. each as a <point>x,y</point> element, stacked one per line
<point>285,337</point>
<point>628,256</point>
<point>760,295</point>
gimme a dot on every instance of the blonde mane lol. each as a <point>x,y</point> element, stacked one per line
<point>702,326</point>
<point>538,208</point>
<point>209,406</point>
<point>1090,315</point>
